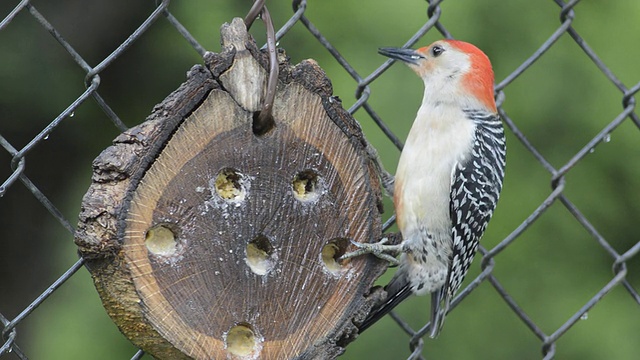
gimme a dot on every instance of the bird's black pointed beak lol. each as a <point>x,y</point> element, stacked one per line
<point>409,56</point>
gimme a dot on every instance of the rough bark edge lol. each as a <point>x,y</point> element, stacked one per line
<point>115,170</point>
<point>121,165</point>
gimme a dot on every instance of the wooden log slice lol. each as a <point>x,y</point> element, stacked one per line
<point>206,240</point>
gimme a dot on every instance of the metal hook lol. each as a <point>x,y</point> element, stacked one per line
<point>265,119</point>
<point>253,13</point>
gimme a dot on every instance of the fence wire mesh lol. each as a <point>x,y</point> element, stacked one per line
<point>618,249</point>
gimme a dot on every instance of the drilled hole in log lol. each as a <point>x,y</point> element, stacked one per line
<point>331,252</point>
<point>231,185</point>
<point>242,341</point>
<point>306,185</point>
<point>161,240</point>
<point>260,255</point>
<point>261,125</point>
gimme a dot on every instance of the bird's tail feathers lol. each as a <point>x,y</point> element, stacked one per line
<point>440,301</point>
<point>397,290</point>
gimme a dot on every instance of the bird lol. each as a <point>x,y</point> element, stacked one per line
<point>448,180</point>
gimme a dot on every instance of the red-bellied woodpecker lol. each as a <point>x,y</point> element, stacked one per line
<point>448,179</point>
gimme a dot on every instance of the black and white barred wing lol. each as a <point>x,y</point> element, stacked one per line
<point>476,185</point>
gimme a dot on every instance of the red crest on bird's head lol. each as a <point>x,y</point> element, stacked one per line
<point>480,79</point>
<point>454,67</point>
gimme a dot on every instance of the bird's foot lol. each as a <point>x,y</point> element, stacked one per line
<point>381,250</point>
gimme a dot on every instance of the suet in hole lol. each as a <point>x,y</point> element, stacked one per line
<point>331,252</point>
<point>231,185</point>
<point>241,340</point>
<point>260,255</point>
<point>161,240</point>
<point>262,124</point>
<point>307,185</point>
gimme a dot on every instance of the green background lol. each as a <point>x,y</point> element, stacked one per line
<point>560,103</point>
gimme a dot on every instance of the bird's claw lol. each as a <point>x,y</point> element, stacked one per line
<point>380,249</point>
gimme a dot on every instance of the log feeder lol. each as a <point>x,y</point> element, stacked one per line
<point>207,239</point>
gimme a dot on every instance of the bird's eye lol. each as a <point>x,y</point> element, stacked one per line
<point>436,50</point>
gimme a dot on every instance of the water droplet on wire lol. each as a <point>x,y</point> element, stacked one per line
<point>607,138</point>
<point>73,113</point>
<point>584,316</point>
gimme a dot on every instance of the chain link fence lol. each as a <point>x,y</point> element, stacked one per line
<point>617,249</point>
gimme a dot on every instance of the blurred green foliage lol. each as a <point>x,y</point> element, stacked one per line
<point>560,103</point>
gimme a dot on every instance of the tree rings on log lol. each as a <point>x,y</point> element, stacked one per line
<point>209,240</point>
